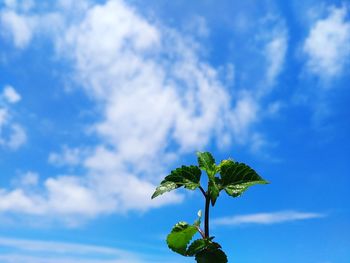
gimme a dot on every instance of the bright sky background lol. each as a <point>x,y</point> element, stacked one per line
<point>101,99</point>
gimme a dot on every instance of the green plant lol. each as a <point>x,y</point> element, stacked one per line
<point>235,178</point>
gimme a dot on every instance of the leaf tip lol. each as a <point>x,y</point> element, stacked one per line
<point>198,153</point>
<point>155,194</point>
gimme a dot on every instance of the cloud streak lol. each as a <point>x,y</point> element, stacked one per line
<point>42,251</point>
<point>266,218</point>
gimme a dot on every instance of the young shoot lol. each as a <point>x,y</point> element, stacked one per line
<point>233,177</point>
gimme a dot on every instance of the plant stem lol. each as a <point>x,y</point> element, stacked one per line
<point>201,232</point>
<point>203,192</point>
<point>206,216</point>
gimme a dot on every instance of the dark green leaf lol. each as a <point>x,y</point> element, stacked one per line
<point>187,176</point>
<point>206,162</point>
<point>218,183</point>
<point>213,192</point>
<point>180,236</point>
<point>238,177</point>
<point>212,254</point>
<point>197,246</point>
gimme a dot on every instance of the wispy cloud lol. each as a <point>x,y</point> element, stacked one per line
<point>13,258</point>
<point>67,156</point>
<point>275,50</point>
<point>40,251</point>
<point>12,134</point>
<point>58,247</point>
<point>266,218</point>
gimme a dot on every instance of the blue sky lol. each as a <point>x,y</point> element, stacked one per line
<point>101,99</point>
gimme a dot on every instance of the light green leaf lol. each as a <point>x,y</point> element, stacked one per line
<point>180,237</point>
<point>236,177</point>
<point>187,176</point>
<point>206,162</point>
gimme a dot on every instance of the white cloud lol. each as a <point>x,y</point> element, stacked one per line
<point>58,247</point>
<point>15,134</point>
<point>10,3</point>
<point>10,94</point>
<point>24,5</point>
<point>3,117</point>
<point>19,24</point>
<point>157,99</point>
<point>244,113</point>
<point>68,156</point>
<point>197,26</point>
<point>327,46</point>
<point>69,5</point>
<point>70,195</point>
<point>147,98</point>
<point>149,102</point>
<point>27,250</point>
<point>271,41</point>
<point>18,201</point>
<point>266,218</point>
<point>75,199</point>
<point>276,51</point>
<point>17,138</point>
<point>16,250</point>
<point>28,179</point>
<point>12,134</point>
<point>274,39</point>
<point>14,258</point>
<point>18,27</point>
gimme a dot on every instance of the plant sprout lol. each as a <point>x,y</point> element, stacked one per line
<point>233,177</point>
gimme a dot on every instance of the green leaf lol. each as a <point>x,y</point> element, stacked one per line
<point>180,237</point>
<point>197,246</point>
<point>212,254</point>
<point>214,191</point>
<point>236,177</point>
<point>206,162</point>
<point>187,176</point>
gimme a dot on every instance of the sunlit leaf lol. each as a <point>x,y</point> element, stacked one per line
<point>187,176</point>
<point>206,162</point>
<point>236,177</point>
<point>180,237</point>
